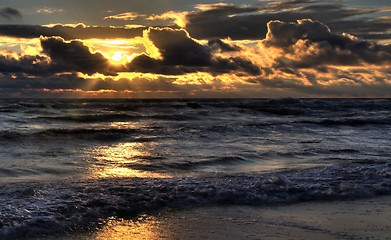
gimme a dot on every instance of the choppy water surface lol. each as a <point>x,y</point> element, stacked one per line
<point>71,163</point>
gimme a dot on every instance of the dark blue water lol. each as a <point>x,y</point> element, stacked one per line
<point>68,164</point>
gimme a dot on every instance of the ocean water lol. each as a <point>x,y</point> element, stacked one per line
<point>72,164</point>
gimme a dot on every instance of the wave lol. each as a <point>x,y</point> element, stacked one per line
<point>10,135</point>
<point>319,107</point>
<point>33,104</point>
<point>174,117</point>
<point>38,172</point>
<point>97,134</point>
<point>352,112</point>
<point>189,165</point>
<point>349,121</point>
<point>34,209</point>
<point>108,134</point>
<point>90,118</point>
<point>122,117</point>
<point>164,165</point>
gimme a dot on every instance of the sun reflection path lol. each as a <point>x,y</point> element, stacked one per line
<point>145,227</point>
<point>119,160</point>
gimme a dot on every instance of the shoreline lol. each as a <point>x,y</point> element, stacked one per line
<point>352,219</point>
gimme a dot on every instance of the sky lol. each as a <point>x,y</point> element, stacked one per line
<point>195,49</point>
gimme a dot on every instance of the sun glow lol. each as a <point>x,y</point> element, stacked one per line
<point>121,57</point>
<point>117,57</point>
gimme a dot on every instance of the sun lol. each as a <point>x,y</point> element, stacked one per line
<point>117,57</point>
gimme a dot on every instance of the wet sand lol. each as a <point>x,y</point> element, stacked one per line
<point>359,219</point>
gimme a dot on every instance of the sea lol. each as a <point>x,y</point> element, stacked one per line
<point>69,165</point>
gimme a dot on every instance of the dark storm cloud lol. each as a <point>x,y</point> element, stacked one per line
<point>61,57</point>
<point>239,22</point>
<point>282,5</point>
<point>36,65</point>
<point>177,48</point>
<point>291,87</point>
<point>325,7</point>
<point>225,9</point>
<point>375,36</point>
<point>312,43</point>
<point>73,82</point>
<point>75,56</point>
<point>136,84</point>
<point>69,32</point>
<point>222,22</point>
<point>23,81</point>
<point>284,34</point>
<point>146,64</point>
<point>181,54</point>
<point>377,28</point>
<point>219,45</point>
<point>9,13</point>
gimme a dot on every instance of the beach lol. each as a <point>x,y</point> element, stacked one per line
<point>358,219</point>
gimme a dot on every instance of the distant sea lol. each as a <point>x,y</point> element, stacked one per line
<point>71,164</point>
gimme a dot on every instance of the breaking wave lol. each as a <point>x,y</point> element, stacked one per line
<point>35,209</point>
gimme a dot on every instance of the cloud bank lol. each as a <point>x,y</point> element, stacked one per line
<point>309,43</point>
<point>180,54</point>
<point>10,13</point>
<point>241,53</point>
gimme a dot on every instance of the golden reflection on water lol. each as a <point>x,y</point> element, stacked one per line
<point>119,160</point>
<point>146,227</point>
